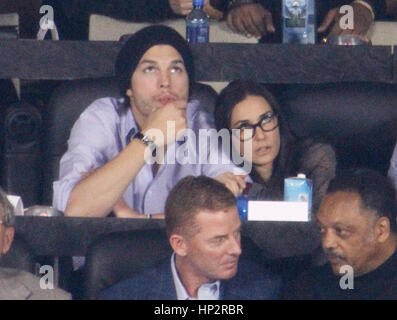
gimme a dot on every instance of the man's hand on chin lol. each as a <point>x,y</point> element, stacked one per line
<point>158,122</point>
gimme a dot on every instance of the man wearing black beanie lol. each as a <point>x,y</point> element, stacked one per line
<point>136,46</point>
<point>123,154</point>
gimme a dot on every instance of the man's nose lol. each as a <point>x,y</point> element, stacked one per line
<point>234,247</point>
<point>329,240</point>
<point>164,79</point>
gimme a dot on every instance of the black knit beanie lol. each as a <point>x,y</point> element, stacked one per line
<point>136,46</point>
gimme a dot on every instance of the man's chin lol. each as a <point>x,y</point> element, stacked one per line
<point>336,268</point>
<point>228,273</point>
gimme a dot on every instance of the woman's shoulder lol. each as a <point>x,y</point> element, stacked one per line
<point>312,152</point>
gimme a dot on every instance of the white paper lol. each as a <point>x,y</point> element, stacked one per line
<point>278,211</point>
<point>17,204</point>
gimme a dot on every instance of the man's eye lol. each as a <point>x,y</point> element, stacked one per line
<point>149,69</point>
<point>217,241</point>
<point>342,232</point>
<point>176,69</point>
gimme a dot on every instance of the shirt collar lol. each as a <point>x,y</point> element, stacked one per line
<point>128,126</point>
<point>207,291</point>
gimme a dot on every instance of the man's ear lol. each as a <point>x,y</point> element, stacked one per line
<point>178,244</point>
<point>382,229</point>
<point>129,93</point>
<point>8,237</point>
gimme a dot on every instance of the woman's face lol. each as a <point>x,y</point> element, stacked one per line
<point>265,145</point>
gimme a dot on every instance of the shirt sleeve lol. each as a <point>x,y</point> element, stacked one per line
<point>214,148</point>
<point>219,160</point>
<point>92,143</point>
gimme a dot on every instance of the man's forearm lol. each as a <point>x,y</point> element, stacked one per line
<point>96,195</point>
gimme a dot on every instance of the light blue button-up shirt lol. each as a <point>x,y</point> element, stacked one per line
<point>207,291</point>
<point>101,133</point>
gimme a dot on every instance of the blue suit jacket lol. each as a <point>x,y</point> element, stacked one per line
<point>252,282</point>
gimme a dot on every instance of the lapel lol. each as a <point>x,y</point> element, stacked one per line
<point>164,288</point>
<point>11,287</point>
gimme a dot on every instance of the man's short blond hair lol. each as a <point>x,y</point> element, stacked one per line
<point>190,196</point>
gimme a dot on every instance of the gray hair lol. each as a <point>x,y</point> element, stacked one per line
<point>8,210</point>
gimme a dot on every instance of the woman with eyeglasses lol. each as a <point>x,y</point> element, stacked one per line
<point>252,115</point>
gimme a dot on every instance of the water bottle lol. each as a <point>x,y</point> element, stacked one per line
<point>197,24</point>
<point>242,206</point>
<point>242,202</point>
<point>299,21</point>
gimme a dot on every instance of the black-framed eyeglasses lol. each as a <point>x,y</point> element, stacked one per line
<point>268,122</point>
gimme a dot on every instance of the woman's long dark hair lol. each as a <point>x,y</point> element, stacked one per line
<point>236,92</point>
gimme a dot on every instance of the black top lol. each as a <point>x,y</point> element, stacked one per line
<point>321,284</point>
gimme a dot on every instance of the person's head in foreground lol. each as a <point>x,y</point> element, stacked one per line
<point>203,228</point>
<point>357,220</point>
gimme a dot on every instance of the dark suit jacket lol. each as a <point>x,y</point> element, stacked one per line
<point>252,282</point>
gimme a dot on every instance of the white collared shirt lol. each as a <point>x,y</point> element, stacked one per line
<point>208,291</point>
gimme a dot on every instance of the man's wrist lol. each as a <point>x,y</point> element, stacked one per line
<point>146,140</point>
